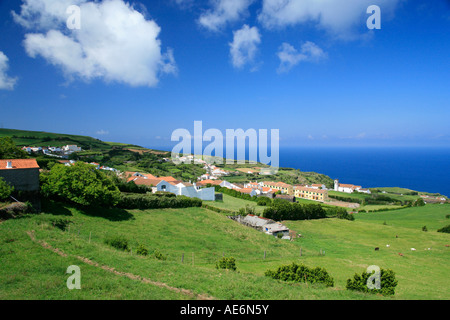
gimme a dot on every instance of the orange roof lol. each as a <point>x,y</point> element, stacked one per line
<point>146,182</point>
<point>19,164</point>
<point>213,182</point>
<point>245,190</point>
<point>168,179</point>
<point>343,185</point>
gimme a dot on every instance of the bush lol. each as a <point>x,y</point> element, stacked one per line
<point>424,228</point>
<point>159,255</point>
<point>80,184</point>
<point>340,213</point>
<point>118,242</point>
<point>226,263</point>
<point>5,189</point>
<point>263,201</point>
<point>150,201</point>
<point>301,273</point>
<point>142,250</point>
<point>445,229</point>
<point>387,287</point>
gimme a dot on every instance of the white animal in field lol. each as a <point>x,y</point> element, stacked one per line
<point>412,249</point>
<point>388,245</point>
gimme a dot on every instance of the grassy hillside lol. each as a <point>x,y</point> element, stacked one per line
<point>33,263</point>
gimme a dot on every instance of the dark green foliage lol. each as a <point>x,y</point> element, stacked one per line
<point>284,210</point>
<point>153,201</point>
<point>226,263</point>
<point>418,203</point>
<point>61,223</point>
<point>158,255</point>
<point>339,213</point>
<point>81,184</point>
<point>235,193</point>
<point>301,273</point>
<point>387,287</point>
<point>118,242</point>
<point>5,189</point>
<point>8,149</point>
<point>424,228</point>
<point>445,229</point>
<point>263,201</point>
<point>142,250</point>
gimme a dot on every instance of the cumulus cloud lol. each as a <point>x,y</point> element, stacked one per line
<point>244,46</point>
<point>115,43</point>
<point>336,17</point>
<point>290,57</point>
<point>6,82</point>
<point>224,11</point>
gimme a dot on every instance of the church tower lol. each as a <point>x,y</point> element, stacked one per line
<point>336,185</point>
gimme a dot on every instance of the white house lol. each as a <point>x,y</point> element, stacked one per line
<point>72,148</point>
<point>347,188</point>
<point>186,189</point>
<point>277,229</point>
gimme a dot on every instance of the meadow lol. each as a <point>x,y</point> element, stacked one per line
<point>35,254</point>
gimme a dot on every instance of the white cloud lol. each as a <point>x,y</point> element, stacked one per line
<point>244,46</point>
<point>338,17</point>
<point>115,42</point>
<point>290,57</point>
<point>223,12</point>
<point>6,82</point>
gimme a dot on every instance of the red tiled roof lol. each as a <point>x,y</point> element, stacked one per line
<point>19,164</point>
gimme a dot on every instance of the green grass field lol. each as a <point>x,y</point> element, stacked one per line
<point>200,237</point>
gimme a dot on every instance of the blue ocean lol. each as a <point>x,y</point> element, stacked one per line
<point>421,169</point>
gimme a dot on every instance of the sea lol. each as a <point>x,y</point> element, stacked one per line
<point>424,169</point>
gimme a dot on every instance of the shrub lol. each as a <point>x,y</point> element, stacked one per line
<point>142,250</point>
<point>61,223</point>
<point>159,255</point>
<point>5,189</point>
<point>387,287</point>
<point>118,242</point>
<point>263,201</point>
<point>151,201</point>
<point>445,229</point>
<point>424,228</point>
<point>226,263</point>
<point>301,273</point>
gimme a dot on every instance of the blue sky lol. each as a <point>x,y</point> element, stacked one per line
<point>135,72</point>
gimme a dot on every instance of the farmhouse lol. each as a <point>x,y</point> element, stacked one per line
<point>310,193</point>
<point>172,185</point>
<point>283,187</point>
<point>348,188</point>
<point>22,174</point>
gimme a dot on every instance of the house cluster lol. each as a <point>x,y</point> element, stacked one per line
<point>431,199</point>
<point>170,184</point>
<point>58,152</point>
<point>265,225</point>
<point>349,188</point>
<point>95,164</point>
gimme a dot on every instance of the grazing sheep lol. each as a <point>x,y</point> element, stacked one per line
<point>412,249</point>
<point>388,245</point>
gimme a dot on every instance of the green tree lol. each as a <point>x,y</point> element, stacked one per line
<point>5,189</point>
<point>81,184</point>
<point>8,149</point>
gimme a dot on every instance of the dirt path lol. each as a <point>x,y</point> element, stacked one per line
<point>119,273</point>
